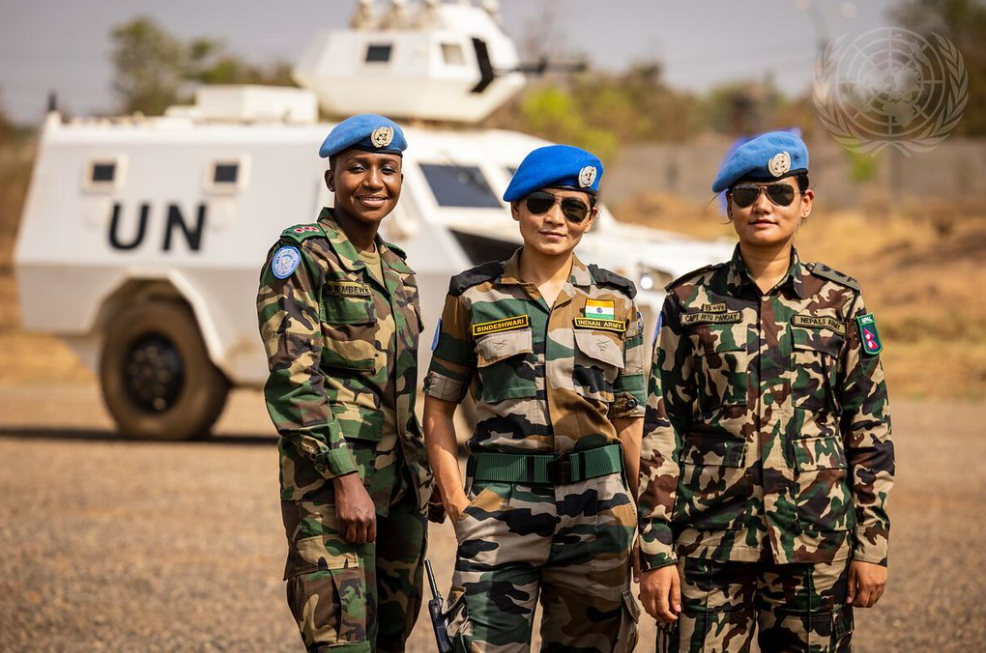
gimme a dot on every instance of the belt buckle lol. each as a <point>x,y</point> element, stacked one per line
<point>559,469</point>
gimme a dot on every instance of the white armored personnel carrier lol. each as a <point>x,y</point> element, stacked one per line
<point>157,227</point>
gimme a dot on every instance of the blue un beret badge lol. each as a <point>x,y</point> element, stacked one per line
<point>780,164</point>
<point>587,175</point>
<point>285,262</point>
<point>382,136</point>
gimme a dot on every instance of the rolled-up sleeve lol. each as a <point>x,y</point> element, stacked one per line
<point>453,359</point>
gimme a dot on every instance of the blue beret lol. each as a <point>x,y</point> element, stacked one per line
<point>555,166</point>
<point>367,131</point>
<point>767,157</point>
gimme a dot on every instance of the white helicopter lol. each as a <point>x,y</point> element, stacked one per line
<point>155,228</point>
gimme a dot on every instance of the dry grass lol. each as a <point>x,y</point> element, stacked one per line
<point>922,273</point>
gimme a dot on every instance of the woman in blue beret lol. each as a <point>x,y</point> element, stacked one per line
<point>766,457</point>
<point>339,317</point>
<point>552,352</point>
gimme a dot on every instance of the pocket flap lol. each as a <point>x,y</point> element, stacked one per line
<point>812,454</point>
<point>499,346</point>
<point>319,553</point>
<point>358,422</point>
<point>600,346</point>
<point>821,340</point>
<point>713,451</point>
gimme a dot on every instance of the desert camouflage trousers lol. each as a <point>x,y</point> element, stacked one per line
<point>568,545</point>
<point>796,608</point>
<point>349,598</point>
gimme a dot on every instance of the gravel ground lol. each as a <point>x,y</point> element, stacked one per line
<point>110,545</point>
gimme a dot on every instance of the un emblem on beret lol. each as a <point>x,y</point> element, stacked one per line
<point>587,176</point>
<point>382,136</point>
<point>780,164</point>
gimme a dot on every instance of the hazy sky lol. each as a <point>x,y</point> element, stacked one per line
<point>64,44</point>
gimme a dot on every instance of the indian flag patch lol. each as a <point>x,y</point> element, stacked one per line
<point>601,308</point>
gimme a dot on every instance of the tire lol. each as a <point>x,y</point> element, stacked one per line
<point>158,382</point>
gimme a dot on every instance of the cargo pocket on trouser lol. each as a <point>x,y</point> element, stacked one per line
<point>627,639</point>
<point>456,614</point>
<point>328,598</point>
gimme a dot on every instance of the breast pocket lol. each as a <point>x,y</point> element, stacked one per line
<point>348,332</point>
<point>598,361</point>
<point>723,372</point>
<point>815,356</point>
<point>505,364</point>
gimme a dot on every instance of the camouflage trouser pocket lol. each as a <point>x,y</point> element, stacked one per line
<point>458,627</point>
<point>627,638</point>
<point>328,602</point>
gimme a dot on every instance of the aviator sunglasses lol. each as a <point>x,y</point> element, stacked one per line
<point>541,201</point>
<point>779,194</point>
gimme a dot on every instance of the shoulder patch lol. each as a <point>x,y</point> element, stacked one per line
<point>825,272</point>
<point>604,276</point>
<point>396,250</point>
<point>300,232</point>
<point>688,275</point>
<point>285,261</point>
<point>474,276</point>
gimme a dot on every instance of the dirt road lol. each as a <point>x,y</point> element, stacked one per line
<point>110,545</point>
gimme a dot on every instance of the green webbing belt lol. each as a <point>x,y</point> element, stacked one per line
<point>555,469</point>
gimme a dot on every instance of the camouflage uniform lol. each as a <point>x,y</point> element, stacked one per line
<point>342,354</point>
<point>767,440</point>
<point>546,381</point>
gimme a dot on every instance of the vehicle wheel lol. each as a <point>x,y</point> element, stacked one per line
<point>157,379</point>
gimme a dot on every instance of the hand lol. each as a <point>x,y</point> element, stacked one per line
<point>635,560</point>
<point>866,583</point>
<point>355,510</point>
<point>436,506</point>
<point>456,506</point>
<point>660,593</point>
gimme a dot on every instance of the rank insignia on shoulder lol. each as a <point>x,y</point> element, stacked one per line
<point>869,337</point>
<point>285,261</point>
<point>506,324</point>
<point>347,288</point>
<point>617,326</point>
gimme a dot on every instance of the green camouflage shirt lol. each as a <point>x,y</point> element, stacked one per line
<point>342,352</point>
<point>767,429</point>
<point>545,379</point>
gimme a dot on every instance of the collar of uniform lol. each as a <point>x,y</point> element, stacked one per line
<point>580,275</point>
<point>339,241</point>
<point>739,274</point>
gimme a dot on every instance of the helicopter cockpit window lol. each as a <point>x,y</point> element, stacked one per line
<point>378,53</point>
<point>225,177</point>
<point>459,186</point>
<point>104,175</point>
<point>453,55</point>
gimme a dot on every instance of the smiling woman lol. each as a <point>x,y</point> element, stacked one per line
<point>340,319</point>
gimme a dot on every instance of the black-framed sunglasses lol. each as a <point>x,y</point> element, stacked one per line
<point>779,194</point>
<point>541,201</point>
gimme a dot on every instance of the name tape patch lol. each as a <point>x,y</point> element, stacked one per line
<point>506,324</point>
<point>617,326</point>
<point>816,322</point>
<point>347,288</point>
<point>714,318</point>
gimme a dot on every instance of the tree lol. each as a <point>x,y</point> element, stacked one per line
<point>963,22</point>
<point>155,70</point>
<point>150,65</point>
